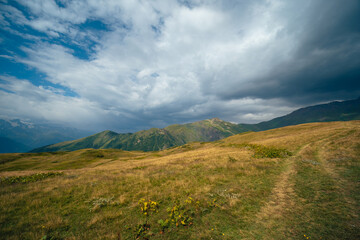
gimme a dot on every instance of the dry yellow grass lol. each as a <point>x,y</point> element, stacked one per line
<point>314,192</point>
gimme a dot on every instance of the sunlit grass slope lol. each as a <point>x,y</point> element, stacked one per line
<point>298,182</point>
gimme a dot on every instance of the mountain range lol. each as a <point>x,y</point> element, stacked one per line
<point>333,111</point>
<point>214,129</point>
<point>153,139</point>
<point>21,136</point>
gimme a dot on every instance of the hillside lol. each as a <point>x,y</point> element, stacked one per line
<point>205,131</point>
<point>333,111</point>
<point>296,182</point>
<point>153,139</point>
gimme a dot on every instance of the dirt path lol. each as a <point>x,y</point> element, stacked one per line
<point>275,218</point>
<point>271,214</point>
<point>280,195</point>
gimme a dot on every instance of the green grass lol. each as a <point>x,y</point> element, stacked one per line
<point>245,187</point>
<point>73,198</point>
<point>261,151</point>
<point>29,178</point>
<point>320,203</point>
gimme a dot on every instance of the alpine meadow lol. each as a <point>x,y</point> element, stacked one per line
<point>296,182</point>
<point>179,120</point>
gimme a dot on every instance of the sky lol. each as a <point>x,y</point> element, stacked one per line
<point>128,65</point>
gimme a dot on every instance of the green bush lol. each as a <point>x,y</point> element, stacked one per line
<point>232,160</point>
<point>29,178</point>
<point>261,151</point>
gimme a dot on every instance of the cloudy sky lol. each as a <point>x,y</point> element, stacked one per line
<point>128,65</point>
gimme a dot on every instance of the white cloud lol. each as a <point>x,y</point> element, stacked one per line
<point>24,100</point>
<point>197,53</point>
<point>158,61</point>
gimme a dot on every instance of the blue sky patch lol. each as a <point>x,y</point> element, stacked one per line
<point>181,60</point>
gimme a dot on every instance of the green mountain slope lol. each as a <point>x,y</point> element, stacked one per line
<point>207,130</point>
<point>94,141</point>
<point>204,131</point>
<point>153,139</point>
<point>334,111</point>
<point>147,140</point>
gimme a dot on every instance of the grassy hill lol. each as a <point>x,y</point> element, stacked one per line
<point>296,182</point>
<point>153,139</point>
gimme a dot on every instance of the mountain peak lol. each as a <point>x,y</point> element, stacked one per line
<point>107,133</point>
<point>215,120</point>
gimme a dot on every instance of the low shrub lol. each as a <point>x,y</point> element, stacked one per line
<point>261,151</point>
<point>29,178</point>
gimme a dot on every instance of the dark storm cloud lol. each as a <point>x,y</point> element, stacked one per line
<point>326,63</point>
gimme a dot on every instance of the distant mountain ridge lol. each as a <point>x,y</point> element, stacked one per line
<point>153,139</point>
<point>207,130</point>
<point>333,111</point>
<point>20,136</point>
<point>8,145</point>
